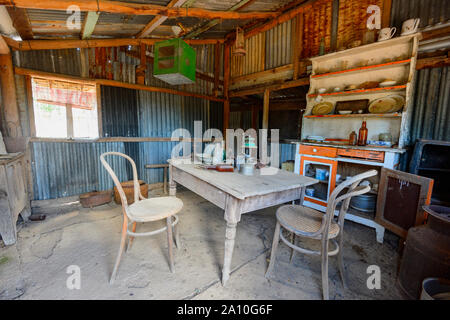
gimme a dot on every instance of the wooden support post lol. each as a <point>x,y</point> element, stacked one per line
<point>334,24</point>
<point>216,68</point>
<point>298,44</point>
<point>226,86</point>
<point>386,14</point>
<point>140,70</point>
<point>8,86</point>
<point>30,103</point>
<point>265,122</point>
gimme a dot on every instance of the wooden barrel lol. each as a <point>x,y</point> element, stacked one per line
<point>128,188</point>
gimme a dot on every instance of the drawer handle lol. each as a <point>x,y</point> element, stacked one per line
<point>314,150</point>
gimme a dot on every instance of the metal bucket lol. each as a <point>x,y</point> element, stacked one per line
<point>435,289</point>
<point>364,202</point>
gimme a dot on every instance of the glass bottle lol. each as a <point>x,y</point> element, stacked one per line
<point>322,47</point>
<point>362,137</point>
<point>353,139</point>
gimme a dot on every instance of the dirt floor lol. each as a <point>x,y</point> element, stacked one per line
<point>36,267</point>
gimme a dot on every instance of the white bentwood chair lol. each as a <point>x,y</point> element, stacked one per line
<point>309,223</point>
<point>144,210</point>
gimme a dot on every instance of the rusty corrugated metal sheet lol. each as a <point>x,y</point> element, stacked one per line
<point>317,25</point>
<point>353,20</point>
<point>64,61</point>
<point>431,105</point>
<point>430,12</point>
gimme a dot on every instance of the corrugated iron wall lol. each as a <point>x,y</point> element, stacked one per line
<point>353,19</point>
<point>430,12</point>
<point>431,105</point>
<point>317,25</point>
<point>279,42</point>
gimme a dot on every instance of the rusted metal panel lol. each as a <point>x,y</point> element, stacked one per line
<point>431,114</point>
<point>430,12</point>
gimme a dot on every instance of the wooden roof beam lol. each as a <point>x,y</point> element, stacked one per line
<point>4,48</point>
<point>90,21</point>
<point>159,19</point>
<point>273,22</point>
<point>21,22</point>
<point>135,9</point>
<point>94,43</point>
<point>238,6</point>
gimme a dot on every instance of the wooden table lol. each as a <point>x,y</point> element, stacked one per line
<point>237,194</point>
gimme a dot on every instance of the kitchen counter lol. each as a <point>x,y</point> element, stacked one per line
<point>344,146</point>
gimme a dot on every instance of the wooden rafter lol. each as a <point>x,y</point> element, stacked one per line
<point>21,22</point>
<point>89,23</point>
<point>159,19</point>
<point>238,6</point>
<point>135,9</point>
<point>71,44</point>
<point>4,48</point>
<point>111,83</point>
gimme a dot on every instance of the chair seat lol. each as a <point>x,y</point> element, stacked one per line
<point>154,209</point>
<point>304,219</point>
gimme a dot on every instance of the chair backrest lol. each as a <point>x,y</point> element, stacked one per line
<point>137,190</point>
<point>353,190</point>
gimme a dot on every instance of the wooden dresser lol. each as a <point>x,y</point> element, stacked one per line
<point>13,195</point>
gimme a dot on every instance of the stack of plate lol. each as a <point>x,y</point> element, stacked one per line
<point>322,108</point>
<point>389,104</point>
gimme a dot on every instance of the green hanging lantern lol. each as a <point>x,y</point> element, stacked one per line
<point>174,62</point>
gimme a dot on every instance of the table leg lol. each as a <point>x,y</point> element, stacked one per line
<point>230,235</point>
<point>232,216</point>
<point>172,184</point>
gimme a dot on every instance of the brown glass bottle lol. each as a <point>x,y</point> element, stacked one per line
<point>362,136</point>
<point>353,139</point>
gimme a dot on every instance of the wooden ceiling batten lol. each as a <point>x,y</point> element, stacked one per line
<point>135,9</point>
<point>159,19</point>
<point>21,22</point>
<point>90,21</point>
<point>238,6</point>
<point>92,43</point>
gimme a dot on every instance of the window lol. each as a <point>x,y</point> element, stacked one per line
<point>64,109</point>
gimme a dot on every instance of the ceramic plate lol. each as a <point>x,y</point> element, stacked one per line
<point>400,102</point>
<point>388,83</point>
<point>322,108</point>
<point>383,105</point>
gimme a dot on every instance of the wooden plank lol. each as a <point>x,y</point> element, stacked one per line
<point>408,190</point>
<point>280,19</point>
<point>243,187</point>
<point>238,6</point>
<point>136,9</point>
<point>158,20</point>
<point>97,43</point>
<point>386,14</point>
<point>216,69</point>
<point>4,48</point>
<point>266,103</point>
<point>112,83</point>
<point>90,21</point>
<point>279,73</point>
<point>29,90</point>
<point>21,22</point>
<point>98,95</point>
<point>433,62</point>
<point>298,44</point>
<point>271,87</point>
<point>334,24</point>
<point>9,98</point>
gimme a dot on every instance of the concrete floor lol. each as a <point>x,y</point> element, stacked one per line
<point>35,268</point>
